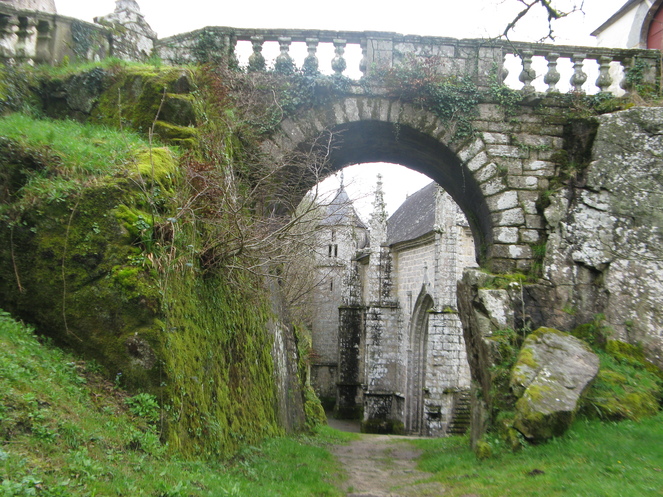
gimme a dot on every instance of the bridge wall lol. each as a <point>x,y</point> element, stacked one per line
<point>497,177</point>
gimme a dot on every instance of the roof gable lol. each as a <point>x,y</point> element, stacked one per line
<point>415,217</point>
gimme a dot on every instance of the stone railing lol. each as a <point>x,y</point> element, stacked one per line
<point>614,70</point>
<point>484,60</point>
<point>39,37</point>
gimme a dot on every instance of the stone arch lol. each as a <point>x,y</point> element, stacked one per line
<point>416,365</point>
<point>495,177</point>
<point>378,129</point>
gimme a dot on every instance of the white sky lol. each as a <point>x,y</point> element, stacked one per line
<point>452,18</point>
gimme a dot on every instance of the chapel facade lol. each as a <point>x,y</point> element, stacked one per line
<point>388,342</point>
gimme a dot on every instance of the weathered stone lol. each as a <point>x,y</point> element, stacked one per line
<point>133,38</point>
<point>505,235</point>
<point>477,162</point>
<point>551,373</point>
<point>503,201</point>
<point>511,217</point>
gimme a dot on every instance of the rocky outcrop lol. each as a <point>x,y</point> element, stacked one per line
<point>552,371</point>
<point>484,311</point>
<point>604,252</point>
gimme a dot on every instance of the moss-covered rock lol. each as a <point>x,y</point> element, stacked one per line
<point>140,95</point>
<point>552,372</point>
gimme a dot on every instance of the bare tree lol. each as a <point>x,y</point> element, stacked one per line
<point>551,9</point>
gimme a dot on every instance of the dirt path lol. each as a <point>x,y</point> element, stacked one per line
<point>384,466</point>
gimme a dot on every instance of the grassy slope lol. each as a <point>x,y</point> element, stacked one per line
<point>592,459</point>
<point>65,431</point>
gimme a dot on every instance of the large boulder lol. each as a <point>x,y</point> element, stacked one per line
<point>552,371</point>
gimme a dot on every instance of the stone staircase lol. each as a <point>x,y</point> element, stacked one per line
<point>460,418</point>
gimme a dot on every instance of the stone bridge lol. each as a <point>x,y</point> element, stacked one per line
<point>543,196</point>
<point>542,183</point>
<point>497,176</point>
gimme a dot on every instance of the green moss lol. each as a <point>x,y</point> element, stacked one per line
<point>631,354</point>
<point>315,414</point>
<point>218,363</point>
<point>136,222</point>
<point>526,357</point>
<point>536,392</point>
<point>483,450</point>
<point>96,299</point>
<point>137,97</point>
<point>624,387</point>
<point>182,136</point>
<point>505,281</point>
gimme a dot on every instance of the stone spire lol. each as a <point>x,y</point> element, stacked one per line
<point>376,274</point>
<point>379,214</point>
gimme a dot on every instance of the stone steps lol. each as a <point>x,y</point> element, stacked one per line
<point>461,416</point>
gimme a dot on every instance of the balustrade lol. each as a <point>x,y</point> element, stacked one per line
<point>549,68</point>
<point>615,68</point>
<point>26,36</point>
<point>40,37</point>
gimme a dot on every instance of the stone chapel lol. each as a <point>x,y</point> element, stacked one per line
<point>387,339</point>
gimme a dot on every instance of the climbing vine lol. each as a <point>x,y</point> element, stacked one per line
<point>453,99</point>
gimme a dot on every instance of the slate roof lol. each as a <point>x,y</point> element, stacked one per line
<point>340,212</point>
<point>414,218</point>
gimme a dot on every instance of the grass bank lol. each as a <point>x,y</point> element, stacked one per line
<point>594,459</point>
<point>65,431</point>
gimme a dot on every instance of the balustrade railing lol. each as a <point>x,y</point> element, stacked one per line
<point>614,70</point>
<point>30,37</point>
<point>587,69</point>
<point>27,36</point>
<point>224,43</point>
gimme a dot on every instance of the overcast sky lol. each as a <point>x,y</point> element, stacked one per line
<point>452,18</point>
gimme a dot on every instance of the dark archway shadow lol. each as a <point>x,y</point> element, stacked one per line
<point>377,141</point>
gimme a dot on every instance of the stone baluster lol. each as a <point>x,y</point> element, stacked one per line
<point>579,77</point>
<point>503,71</point>
<point>338,62</point>
<point>363,63</point>
<point>231,44</point>
<point>8,36</point>
<point>284,63</point>
<point>604,80</point>
<point>627,81</point>
<point>257,59</point>
<point>552,76</point>
<point>26,47</point>
<point>44,36</point>
<point>528,74</point>
<point>311,64</point>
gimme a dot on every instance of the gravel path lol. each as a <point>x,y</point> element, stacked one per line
<point>384,466</point>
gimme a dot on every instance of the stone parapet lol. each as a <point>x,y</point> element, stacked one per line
<point>482,60</point>
<point>32,36</point>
